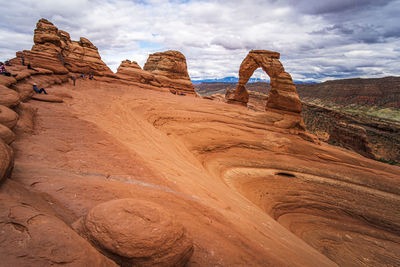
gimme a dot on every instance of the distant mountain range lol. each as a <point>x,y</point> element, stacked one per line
<point>234,80</point>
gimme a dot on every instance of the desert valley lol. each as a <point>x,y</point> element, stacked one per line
<point>142,168</point>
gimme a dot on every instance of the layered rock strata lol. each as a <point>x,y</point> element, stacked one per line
<point>131,71</point>
<point>55,51</point>
<point>170,70</point>
<point>283,104</point>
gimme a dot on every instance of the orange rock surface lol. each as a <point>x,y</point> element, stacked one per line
<point>215,184</point>
<point>170,70</point>
<point>247,192</point>
<point>54,50</point>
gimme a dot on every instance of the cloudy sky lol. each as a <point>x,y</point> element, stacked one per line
<point>318,39</point>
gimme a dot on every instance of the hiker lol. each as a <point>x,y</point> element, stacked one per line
<point>30,67</point>
<point>23,59</point>
<point>73,78</point>
<point>7,63</point>
<point>37,90</point>
<point>83,76</point>
<point>3,70</point>
<point>90,77</point>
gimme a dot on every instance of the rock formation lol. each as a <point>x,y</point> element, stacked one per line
<point>131,71</point>
<point>170,69</point>
<point>9,98</point>
<point>8,117</point>
<point>283,105</point>
<point>6,160</point>
<point>136,233</point>
<point>54,50</point>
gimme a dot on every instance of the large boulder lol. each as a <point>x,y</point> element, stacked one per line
<point>8,117</point>
<point>170,70</point>
<point>8,97</point>
<point>136,233</point>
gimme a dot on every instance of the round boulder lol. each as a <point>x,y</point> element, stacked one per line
<point>8,117</point>
<point>136,233</point>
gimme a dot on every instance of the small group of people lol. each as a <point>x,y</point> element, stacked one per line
<point>82,76</point>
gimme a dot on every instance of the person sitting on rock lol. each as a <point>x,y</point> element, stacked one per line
<point>91,77</point>
<point>37,90</point>
<point>30,67</point>
<point>4,71</point>
<point>83,76</point>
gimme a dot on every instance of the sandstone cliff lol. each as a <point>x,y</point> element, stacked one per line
<point>54,50</point>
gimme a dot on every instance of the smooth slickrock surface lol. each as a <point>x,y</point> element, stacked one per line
<point>137,233</point>
<point>248,192</point>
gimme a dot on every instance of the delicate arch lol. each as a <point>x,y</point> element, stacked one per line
<point>283,94</point>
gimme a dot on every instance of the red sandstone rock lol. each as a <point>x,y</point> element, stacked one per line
<point>170,70</point>
<point>8,97</point>
<point>137,233</point>
<point>47,98</point>
<point>283,95</point>
<point>7,80</point>
<point>26,115</point>
<point>32,236</point>
<point>55,51</point>
<point>6,134</point>
<point>6,164</point>
<point>8,117</point>
<point>131,71</point>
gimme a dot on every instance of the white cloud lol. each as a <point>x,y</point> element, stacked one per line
<point>316,39</point>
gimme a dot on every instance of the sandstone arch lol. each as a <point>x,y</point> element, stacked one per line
<point>283,98</point>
